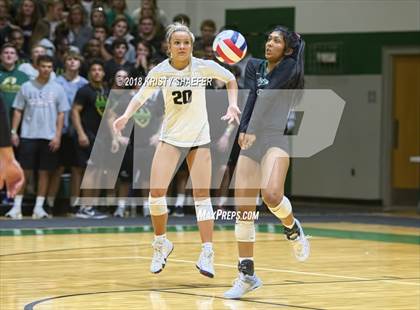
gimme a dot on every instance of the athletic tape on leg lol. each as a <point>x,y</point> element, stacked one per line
<point>283,209</point>
<point>157,205</point>
<point>204,210</point>
<point>245,231</point>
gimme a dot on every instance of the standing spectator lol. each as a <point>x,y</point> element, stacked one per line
<point>120,30</point>
<point>11,78</point>
<point>71,81</point>
<point>31,68</point>
<point>40,105</point>
<point>118,61</point>
<point>80,32</point>
<point>27,16</point>
<point>88,108</point>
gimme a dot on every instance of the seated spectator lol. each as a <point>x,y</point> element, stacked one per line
<point>17,38</point>
<point>159,14</point>
<point>31,68</point>
<point>54,16</point>
<point>182,19</point>
<point>80,32</point>
<point>208,32</point>
<point>98,17</point>
<point>143,55</point>
<point>40,36</point>
<point>148,31</point>
<point>118,9</point>
<point>27,16</point>
<point>40,136</point>
<point>118,61</point>
<point>120,30</point>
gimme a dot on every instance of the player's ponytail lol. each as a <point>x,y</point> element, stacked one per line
<point>295,42</point>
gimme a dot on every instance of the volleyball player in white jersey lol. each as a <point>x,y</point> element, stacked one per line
<point>185,127</point>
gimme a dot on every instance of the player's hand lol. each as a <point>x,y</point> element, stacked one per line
<point>232,114</point>
<point>15,139</point>
<point>246,140</point>
<point>12,175</point>
<point>83,140</point>
<point>119,124</point>
<point>55,144</point>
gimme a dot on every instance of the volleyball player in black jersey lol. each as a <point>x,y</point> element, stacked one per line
<point>264,157</point>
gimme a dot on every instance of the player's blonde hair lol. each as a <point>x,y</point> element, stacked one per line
<point>178,27</point>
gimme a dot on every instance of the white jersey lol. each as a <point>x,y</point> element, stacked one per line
<point>185,121</point>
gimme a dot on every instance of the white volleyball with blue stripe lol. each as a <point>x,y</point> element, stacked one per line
<point>229,47</point>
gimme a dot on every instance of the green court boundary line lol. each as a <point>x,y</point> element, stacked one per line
<point>262,228</point>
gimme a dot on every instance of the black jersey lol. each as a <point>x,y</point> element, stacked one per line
<point>267,110</point>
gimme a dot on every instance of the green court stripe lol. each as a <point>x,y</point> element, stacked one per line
<point>265,228</point>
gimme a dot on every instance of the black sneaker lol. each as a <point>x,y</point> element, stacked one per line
<point>178,212</point>
<point>90,213</point>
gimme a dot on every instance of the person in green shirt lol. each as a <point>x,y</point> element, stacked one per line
<point>10,77</point>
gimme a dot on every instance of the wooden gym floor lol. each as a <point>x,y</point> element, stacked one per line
<point>352,266</point>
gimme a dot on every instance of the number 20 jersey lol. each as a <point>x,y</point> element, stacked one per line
<point>185,122</point>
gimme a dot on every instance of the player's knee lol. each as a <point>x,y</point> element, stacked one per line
<point>245,231</point>
<point>158,205</point>
<point>272,197</point>
<point>204,210</point>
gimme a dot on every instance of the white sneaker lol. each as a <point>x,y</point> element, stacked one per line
<point>242,285</point>
<point>162,248</point>
<point>39,213</point>
<point>300,244</point>
<point>205,263</point>
<point>119,212</point>
<point>14,213</point>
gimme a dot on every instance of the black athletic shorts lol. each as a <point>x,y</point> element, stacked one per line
<point>67,151</point>
<point>264,141</point>
<point>35,154</point>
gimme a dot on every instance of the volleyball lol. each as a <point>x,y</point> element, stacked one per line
<point>229,47</point>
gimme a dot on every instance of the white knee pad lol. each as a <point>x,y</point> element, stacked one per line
<point>204,210</point>
<point>157,205</point>
<point>283,209</point>
<point>245,231</point>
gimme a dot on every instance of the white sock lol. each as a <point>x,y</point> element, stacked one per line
<point>121,204</point>
<point>50,201</point>
<point>208,246</point>
<point>17,203</point>
<point>180,200</point>
<point>244,258</point>
<point>39,203</point>
<point>160,237</point>
<point>258,200</point>
<point>222,200</point>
